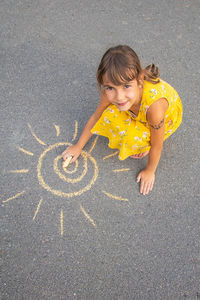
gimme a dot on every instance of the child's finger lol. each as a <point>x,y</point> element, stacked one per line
<point>151,187</point>
<point>66,151</point>
<point>147,189</point>
<point>138,178</point>
<point>142,187</point>
<point>64,154</point>
<point>73,159</point>
<point>67,161</point>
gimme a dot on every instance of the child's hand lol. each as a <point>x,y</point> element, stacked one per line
<point>73,151</point>
<point>147,179</point>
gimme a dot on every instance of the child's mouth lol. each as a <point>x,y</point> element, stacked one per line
<point>122,104</point>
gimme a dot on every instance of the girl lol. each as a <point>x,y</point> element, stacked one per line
<point>137,111</point>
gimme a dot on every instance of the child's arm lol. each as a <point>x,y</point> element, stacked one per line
<point>156,120</point>
<point>75,150</point>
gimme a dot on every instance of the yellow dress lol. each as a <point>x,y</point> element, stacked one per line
<point>132,135</point>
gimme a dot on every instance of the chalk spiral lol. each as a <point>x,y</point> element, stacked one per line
<point>63,173</point>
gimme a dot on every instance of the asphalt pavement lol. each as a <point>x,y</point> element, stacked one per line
<point>86,232</point>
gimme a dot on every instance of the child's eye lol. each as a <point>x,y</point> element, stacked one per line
<point>109,88</point>
<point>126,86</point>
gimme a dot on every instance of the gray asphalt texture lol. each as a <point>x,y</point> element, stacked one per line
<point>143,248</point>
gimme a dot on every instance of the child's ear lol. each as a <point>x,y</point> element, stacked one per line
<point>141,78</point>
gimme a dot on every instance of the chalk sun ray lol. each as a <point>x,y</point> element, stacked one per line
<point>110,155</point>
<point>87,216</point>
<point>19,171</point>
<point>14,197</point>
<point>93,145</point>
<point>25,151</point>
<point>61,222</point>
<point>37,209</point>
<point>36,137</point>
<point>76,131</point>
<point>114,196</point>
<point>121,170</point>
<point>57,129</point>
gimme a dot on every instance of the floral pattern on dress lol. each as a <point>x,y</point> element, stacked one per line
<point>145,134</point>
<point>154,91</point>
<point>110,110</point>
<point>122,133</point>
<point>163,88</point>
<point>106,120</point>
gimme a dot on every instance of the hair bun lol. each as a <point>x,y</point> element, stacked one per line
<point>151,73</point>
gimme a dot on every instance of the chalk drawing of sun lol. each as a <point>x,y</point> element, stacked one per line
<point>75,179</point>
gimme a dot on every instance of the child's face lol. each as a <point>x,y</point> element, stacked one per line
<point>123,96</point>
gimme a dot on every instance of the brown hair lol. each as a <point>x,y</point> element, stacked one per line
<point>121,64</point>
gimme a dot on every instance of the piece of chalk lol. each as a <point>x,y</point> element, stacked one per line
<point>67,161</point>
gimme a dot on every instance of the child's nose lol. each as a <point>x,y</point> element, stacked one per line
<point>120,96</point>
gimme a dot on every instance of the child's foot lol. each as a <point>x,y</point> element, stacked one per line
<point>140,155</point>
